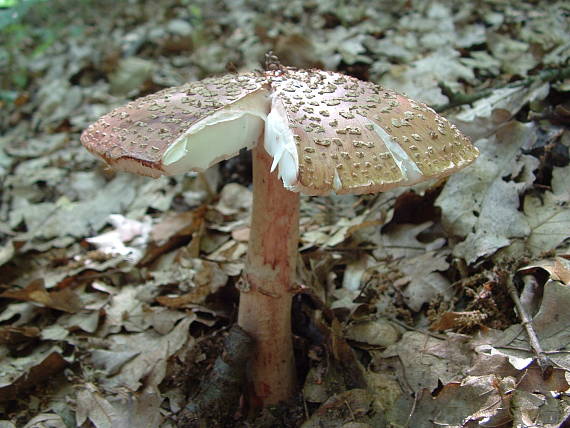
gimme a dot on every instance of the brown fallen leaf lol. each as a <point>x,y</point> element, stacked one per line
<point>340,409</point>
<point>207,279</point>
<point>173,231</point>
<point>427,361</point>
<point>184,223</point>
<point>458,404</point>
<point>93,406</point>
<point>133,409</point>
<point>52,364</point>
<point>50,420</point>
<point>534,381</point>
<point>558,268</point>
<point>63,300</point>
<point>181,301</point>
<point>297,50</point>
<point>458,320</point>
<point>10,335</point>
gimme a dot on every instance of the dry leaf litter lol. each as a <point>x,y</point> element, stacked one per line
<point>117,291</point>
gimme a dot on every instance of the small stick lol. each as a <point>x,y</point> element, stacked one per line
<point>347,404</point>
<point>457,99</point>
<point>526,321</point>
<point>529,293</point>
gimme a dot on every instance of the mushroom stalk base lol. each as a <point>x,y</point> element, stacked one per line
<point>269,283</point>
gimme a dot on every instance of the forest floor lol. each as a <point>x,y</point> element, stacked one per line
<point>116,291</point>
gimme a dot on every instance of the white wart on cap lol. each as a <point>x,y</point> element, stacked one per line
<point>327,132</point>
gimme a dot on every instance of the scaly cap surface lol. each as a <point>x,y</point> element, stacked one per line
<point>357,137</point>
<point>327,132</point>
<point>136,136</point>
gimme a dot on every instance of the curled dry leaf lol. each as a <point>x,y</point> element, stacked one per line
<point>558,268</point>
<point>549,222</point>
<point>93,406</point>
<point>50,420</point>
<point>342,408</point>
<point>106,411</point>
<point>483,203</point>
<point>208,278</point>
<point>28,372</point>
<point>175,225</point>
<point>425,280</point>
<point>63,300</point>
<point>139,360</point>
<point>427,361</point>
<point>475,399</point>
<point>13,335</point>
<point>533,380</point>
<point>374,333</point>
<point>172,231</point>
<point>458,320</point>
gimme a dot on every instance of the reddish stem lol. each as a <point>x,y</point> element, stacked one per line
<point>265,300</point>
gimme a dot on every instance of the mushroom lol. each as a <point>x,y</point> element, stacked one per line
<point>312,132</point>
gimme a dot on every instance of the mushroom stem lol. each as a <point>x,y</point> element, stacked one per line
<point>269,282</point>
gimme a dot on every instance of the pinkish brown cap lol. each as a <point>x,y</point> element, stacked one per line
<point>327,132</point>
<point>357,137</point>
<point>153,135</point>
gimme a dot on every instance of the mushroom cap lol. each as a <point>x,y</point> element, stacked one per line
<point>327,132</point>
<point>137,136</point>
<point>357,137</point>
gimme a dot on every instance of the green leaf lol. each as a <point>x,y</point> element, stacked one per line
<point>8,3</point>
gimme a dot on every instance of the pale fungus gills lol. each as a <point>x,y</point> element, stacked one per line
<point>320,131</point>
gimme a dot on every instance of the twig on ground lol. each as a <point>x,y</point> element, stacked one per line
<point>526,320</point>
<point>457,99</point>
